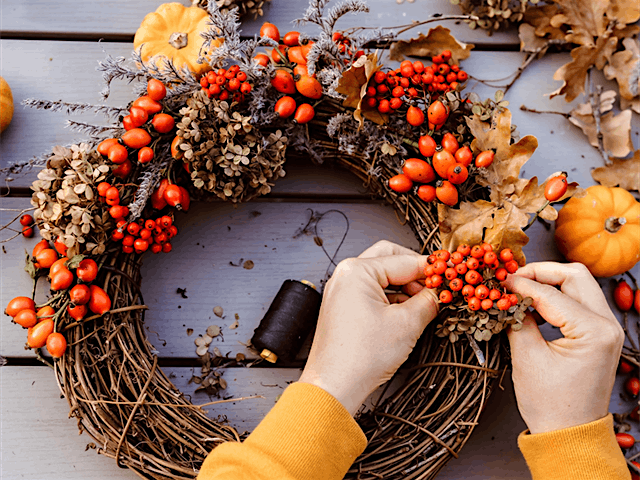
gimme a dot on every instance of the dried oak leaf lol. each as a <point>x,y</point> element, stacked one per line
<point>624,66</point>
<point>501,226</point>
<point>434,43</point>
<point>509,158</point>
<point>540,19</point>
<point>621,173</point>
<point>585,17</point>
<point>615,129</point>
<point>353,84</point>
<point>624,11</point>
<point>574,73</point>
<point>530,42</point>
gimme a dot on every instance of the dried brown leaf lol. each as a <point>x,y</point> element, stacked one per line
<point>621,173</point>
<point>436,41</point>
<point>574,74</point>
<point>615,129</point>
<point>529,41</point>
<point>624,66</point>
<point>496,136</point>
<point>624,11</point>
<point>633,104</point>
<point>585,17</point>
<point>540,19</point>
<point>353,84</point>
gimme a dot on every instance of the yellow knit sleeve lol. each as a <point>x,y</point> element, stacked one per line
<point>307,434</point>
<point>585,452</point>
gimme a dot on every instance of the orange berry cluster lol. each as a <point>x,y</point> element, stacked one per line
<point>449,167</point>
<point>136,138</point>
<point>225,84</point>
<point>40,321</point>
<point>474,272</point>
<point>391,90</point>
<point>143,235</point>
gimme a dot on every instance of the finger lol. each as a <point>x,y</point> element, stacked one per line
<point>555,307</point>
<point>526,339</point>
<point>395,269</point>
<point>574,280</point>
<point>384,248</point>
<point>422,308</point>
<point>412,288</point>
<point>397,297</point>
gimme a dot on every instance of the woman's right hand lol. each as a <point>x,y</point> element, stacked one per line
<point>568,381</point>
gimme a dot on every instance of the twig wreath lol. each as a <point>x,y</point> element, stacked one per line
<point>448,164</point>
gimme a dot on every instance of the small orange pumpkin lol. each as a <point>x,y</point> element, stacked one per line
<point>6,104</point>
<point>173,31</point>
<point>601,230</point>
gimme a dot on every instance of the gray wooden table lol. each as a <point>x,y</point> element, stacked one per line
<point>49,49</point>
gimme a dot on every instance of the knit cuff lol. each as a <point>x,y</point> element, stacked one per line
<point>584,452</point>
<point>310,434</point>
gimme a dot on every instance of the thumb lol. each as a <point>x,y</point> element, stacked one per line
<point>526,339</point>
<point>422,308</point>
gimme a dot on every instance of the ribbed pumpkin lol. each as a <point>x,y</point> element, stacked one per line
<point>173,31</point>
<point>601,230</point>
<point>6,104</point>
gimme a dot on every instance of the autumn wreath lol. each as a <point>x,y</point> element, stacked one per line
<point>447,162</point>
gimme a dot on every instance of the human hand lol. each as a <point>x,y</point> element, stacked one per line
<point>363,334</point>
<point>566,382</point>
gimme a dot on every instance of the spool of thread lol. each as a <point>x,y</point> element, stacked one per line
<point>289,320</point>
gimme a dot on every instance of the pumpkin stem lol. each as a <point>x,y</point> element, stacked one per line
<point>613,224</point>
<point>178,40</point>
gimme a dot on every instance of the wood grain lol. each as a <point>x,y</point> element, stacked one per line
<point>119,19</point>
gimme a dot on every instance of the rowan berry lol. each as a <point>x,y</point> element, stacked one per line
<point>477,251</point>
<point>128,240</point>
<point>442,255</point>
<point>145,234</point>
<point>511,266</point>
<point>379,77</point>
<point>461,268</point>
<point>513,298</point>
<point>501,274</point>
<point>456,284</point>
<point>383,106</point>
<point>489,258</point>
<point>428,283</point>
<point>127,249</point>
<point>457,258</point>
<point>428,270</point>
<point>472,277</point>
<point>395,103</point>
<point>436,281</point>
<point>133,229</point>
<point>404,82</point>
<point>166,247</point>
<point>486,304</point>
<point>468,290</point>
<point>418,66</point>
<point>495,294</point>
<point>464,249</point>
<point>431,259</point>
<point>439,267</point>
<point>504,304</point>
<point>446,296</point>
<point>427,77</point>
<point>117,235</point>
<point>506,255</point>
<point>450,273</point>
<point>482,292</point>
<point>474,303</point>
<point>473,263</point>
<point>382,89</point>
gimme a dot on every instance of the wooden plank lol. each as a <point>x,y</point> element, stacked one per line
<point>37,439</point>
<point>58,60</point>
<point>120,19</point>
<point>61,450</point>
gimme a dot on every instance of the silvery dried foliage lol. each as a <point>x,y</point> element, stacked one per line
<point>251,7</point>
<point>458,321</point>
<point>227,155</point>
<point>66,199</point>
<point>494,14</point>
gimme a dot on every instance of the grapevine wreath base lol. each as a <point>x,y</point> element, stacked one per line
<point>233,148</point>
